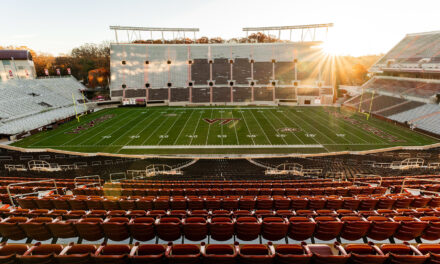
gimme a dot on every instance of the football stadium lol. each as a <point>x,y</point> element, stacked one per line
<point>256,149</point>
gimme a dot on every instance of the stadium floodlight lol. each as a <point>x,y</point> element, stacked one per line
<point>136,31</point>
<point>306,30</point>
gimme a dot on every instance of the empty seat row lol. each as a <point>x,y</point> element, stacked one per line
<point>187,183</point>
<point>222,228</point>
<point>228,203</point>
<point>76,214</point>
<point>217,253</point>
<point>341,191</point>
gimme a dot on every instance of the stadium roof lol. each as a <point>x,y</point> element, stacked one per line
<point>16,54</point>
<point>415,49</point>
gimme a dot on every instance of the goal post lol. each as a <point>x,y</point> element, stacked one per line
<point>77,116</point>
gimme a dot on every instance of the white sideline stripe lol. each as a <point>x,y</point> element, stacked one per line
<point>220,108</point>
<point>219,146</point>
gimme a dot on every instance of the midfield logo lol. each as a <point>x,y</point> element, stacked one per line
<point>223,121</point>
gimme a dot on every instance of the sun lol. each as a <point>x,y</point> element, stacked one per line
<point>330,48</point>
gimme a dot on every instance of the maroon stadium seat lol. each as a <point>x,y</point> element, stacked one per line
<point>115,228</point>
<point>274,228</point>
<point>183,254</point>
<point>112,254</point>
<point>142,228</point>
<point>255,254</point>
<point>76,254</point>
<point>247,228</point>
<point>286,254</point>
<point>365,254</point>
<point>90,228</point>
<point>168,229</point>
<point>217,254</point>
<point>403,254</point>
<point>221,228</point>
<point>195,228</point>
<point>151,253</point>
<point>301,228</point>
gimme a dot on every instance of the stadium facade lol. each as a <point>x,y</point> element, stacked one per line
<point>230,73</point>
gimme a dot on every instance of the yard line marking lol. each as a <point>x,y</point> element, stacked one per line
<point>207,146</point>
<point>353,127</point>
<point>290,110</point>
<point>318,115</point>
<point>104,129</point>
<point>195,129</point>
<point>221,126</point>
<point>80,135</point>
<point>250,133</point>
<point>113,131</point>
<point>154,132</point>
<point>147,125</point>
<point>168,130</point>
<point>220,146</point>
<point>398,135</point>
<point>296,124</point>
<point>209,127</point>
<point>221,108</point>
<point>69,126</point>
<point>133,127</point>
<point>270,142</point>
<point>184,126</point>
<point>274,129</point>
<point>235,128</point>
<point>284,124</point>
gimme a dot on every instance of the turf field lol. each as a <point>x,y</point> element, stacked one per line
<point>224,130</point>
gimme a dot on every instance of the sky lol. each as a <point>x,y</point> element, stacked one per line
<point>360,27</point>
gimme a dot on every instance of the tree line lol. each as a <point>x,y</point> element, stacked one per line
<point>90,63</point>
<point>81,60</point>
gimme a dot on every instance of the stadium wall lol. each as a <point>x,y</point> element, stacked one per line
<point>217,73</point>
<point>16,64</point>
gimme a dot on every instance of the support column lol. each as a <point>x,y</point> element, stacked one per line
<point>146,63</point>
<point>232,95</point>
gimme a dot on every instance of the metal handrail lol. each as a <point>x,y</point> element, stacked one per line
<point>367,175</point>
<point>118,173</point>
<point>419,179</point>
<point>139,174</point>
<point>87,177</point>
<point>24,194</point>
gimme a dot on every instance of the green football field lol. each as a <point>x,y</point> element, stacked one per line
<point>224,130</point>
